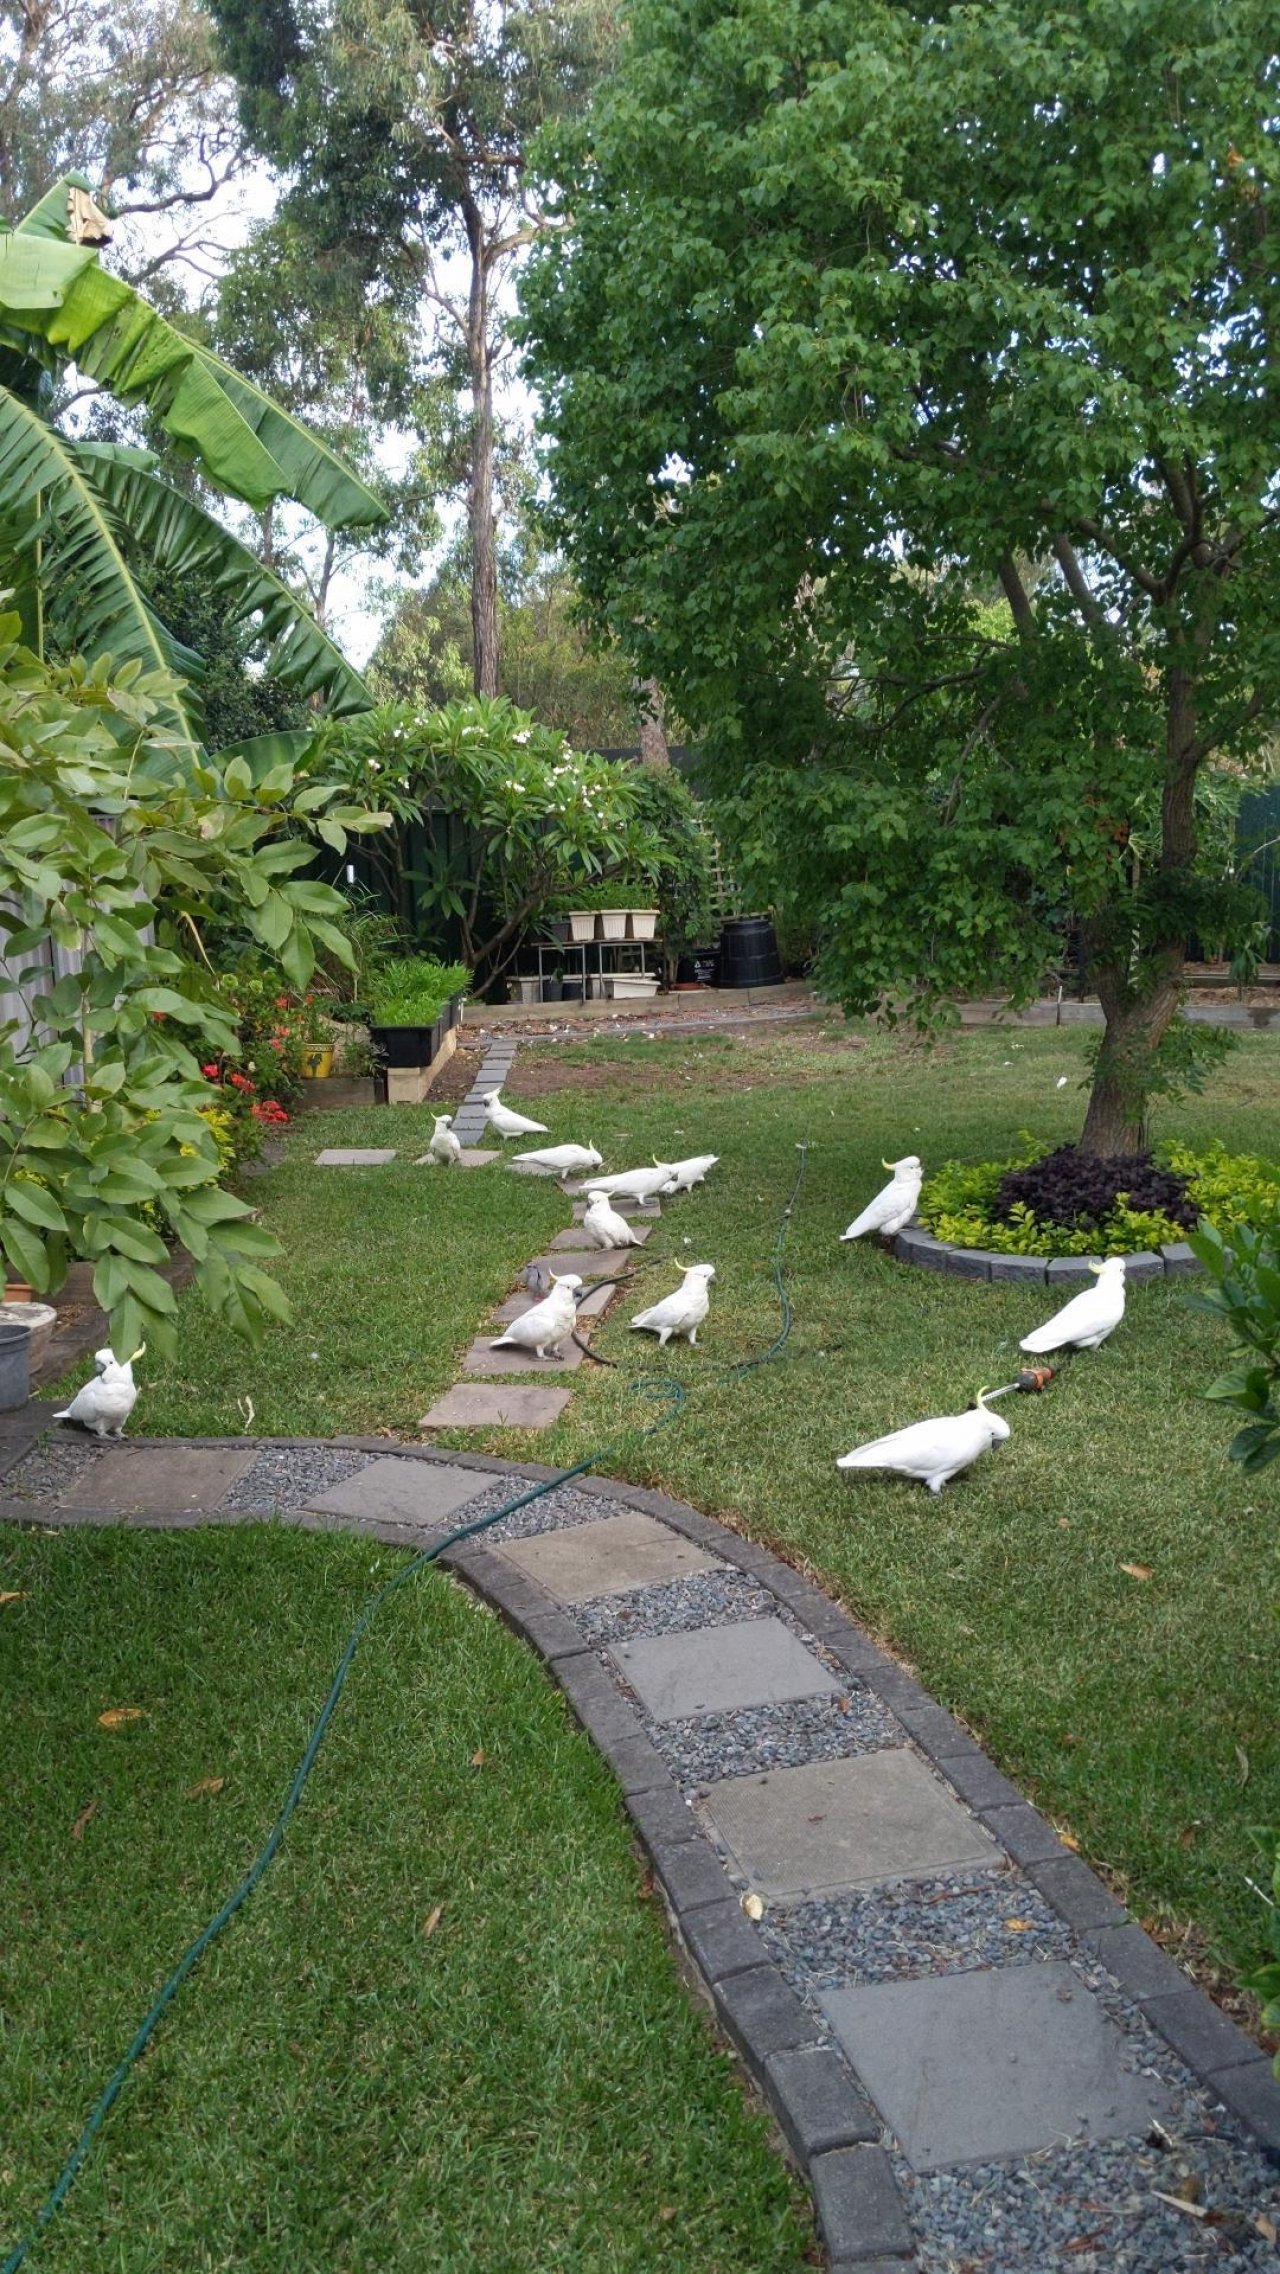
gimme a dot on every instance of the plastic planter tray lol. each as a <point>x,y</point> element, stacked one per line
<point>642,923</point>
<point>635,986</point>
<point>408,1045</point>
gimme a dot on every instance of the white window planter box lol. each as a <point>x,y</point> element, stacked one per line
<point>582,924</point>
<point>642,923</point>
<point>632,986</point>
<point>613,923</point>
<point>526,990</point>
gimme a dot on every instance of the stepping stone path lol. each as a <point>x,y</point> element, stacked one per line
<point>974,2055</point>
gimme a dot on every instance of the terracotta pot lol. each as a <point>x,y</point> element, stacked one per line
<point>18,1291</point>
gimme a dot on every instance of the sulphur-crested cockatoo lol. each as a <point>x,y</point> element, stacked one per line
<point>444,1147</point>
<point>683,1312</point>
<point>933,1451</point>
<point>893,1206</point>
<point>637,1184</point>
<point>603,1227</point>
<point>1089,1317</point>
<point>508,1123</point>
<point>104,1405</point>
<point>564,1159</point>
<point>549,1323</point>
<point>685,1174</point>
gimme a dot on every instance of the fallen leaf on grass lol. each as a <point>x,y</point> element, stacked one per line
<point>116,1716</point>
<point>432,1920</point>
<point>77,1829</point>
<point>15,1595</point>
<point>477,1758</point>
<point>753,1906</point>
<point>1069,1840</point>
<point>206,1784</point>
<point>1267,2228</point>
<point>1138,1570</point>
<point>1243,1758</point>
<point>668,2211</point>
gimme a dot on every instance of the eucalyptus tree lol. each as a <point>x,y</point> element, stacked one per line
<point>406,128</point>
<point>861,314</point>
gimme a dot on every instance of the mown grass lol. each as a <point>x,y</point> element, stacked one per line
<point>345,2085</point>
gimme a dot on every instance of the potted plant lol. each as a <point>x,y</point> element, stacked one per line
<point>408,1008</point>
<point>553,988</point>
<point>317,1042</point>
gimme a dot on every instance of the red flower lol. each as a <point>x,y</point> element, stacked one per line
<point>270,1112</point>
<point>282,1002</point>
<point>240,1082</point>
<point>211,1073</point>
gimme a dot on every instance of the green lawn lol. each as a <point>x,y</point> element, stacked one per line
<point>339,2091</point>
<point>1141,1714</point>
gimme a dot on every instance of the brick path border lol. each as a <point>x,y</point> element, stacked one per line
<point>1174,1261</point>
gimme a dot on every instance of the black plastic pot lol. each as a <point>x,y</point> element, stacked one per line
<point>553,990</point>
<point>571,990</point>
<point>704,966</point>
<point>407,1045</point>
<point>749,953</point>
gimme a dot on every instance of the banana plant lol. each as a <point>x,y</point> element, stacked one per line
<point>76,518</point>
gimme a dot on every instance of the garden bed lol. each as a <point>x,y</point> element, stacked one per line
<point>1173,1261</point>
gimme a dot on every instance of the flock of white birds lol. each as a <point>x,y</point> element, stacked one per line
<point>931,1452</point>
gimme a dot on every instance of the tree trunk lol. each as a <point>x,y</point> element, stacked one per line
<point>482,526</point>
<point>653,737</point>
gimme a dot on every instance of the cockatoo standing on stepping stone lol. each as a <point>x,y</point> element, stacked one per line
<point>563,1159</point>
<point>444,1147</point>
<point>693,1171</point>
<point>603,1226</point>
<point>507,1123</point>
<point>1089,1317</point>
<point>103,1405</point>
<point>933,1451</point>
<point>683,1312</point>
<point>895,1205</point>
<point>549,1324</point>
<point>638,1184</point>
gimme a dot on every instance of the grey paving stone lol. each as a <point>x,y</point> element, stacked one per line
<point>759,1662</point>
<point>607,1558</point>
<point>1138,1963</point>
<point>1195,2028</point>
<point>1144,1263</point>
<point>761,2014</point>
<point>1252,2092</point>
<point>911,1244</point>
<point>510,1405</point>
<point>633,1210</point>
<point>967,1263</point>
<point>572,1238</point>
<point>969,2067</point>
<point>590,1306</point>
<point>475,1156</point>
<point>815,2103</point>
<point>845,1823</point>
<point>1023,1270</point>
<point>722,1940</point>
<point>482,1360</point>
<point>691,1874</point>
<point>426,1493</point>
<point>354,1157</point>
<point>979,1781</point>
<point>1022,1830</point>
<point>1178,1260</point>
<point>589,1263</point>
<point>1076,1893</point>
<point>169,1477</point>
<point>860,2209</point>
<point>1062,1269</point>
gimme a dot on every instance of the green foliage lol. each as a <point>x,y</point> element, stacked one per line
<point>900,373</point>
<point>958,1201</point>
<point>1265,1980</point>
<point>512,817</point>
<point>1243,1263</point>
<point>116,849</point>
<point>87,528</point>
<point>413,990</point>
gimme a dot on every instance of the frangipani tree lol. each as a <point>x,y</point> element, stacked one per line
<point>75,517</point>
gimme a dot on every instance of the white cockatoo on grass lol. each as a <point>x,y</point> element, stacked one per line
<point>104,1405</point>
<point>564,1160</point>
<point>603,1226</point>
<point>549,1323</point>
<point>638,1184</point>
<point>507,1123</point>
<point>683,1312</point>
<point>685,1174</point>
<point>444,1148</point>
<point>1089,1317</point>
<point>933,1451</point>
<point>895,1205</point>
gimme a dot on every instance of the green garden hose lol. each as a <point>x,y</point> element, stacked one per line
<point>650,1386</point>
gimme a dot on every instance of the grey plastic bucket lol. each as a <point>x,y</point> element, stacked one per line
<point>15,1366</point>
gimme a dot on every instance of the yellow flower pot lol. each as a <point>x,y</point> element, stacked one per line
<point>317,1062</point>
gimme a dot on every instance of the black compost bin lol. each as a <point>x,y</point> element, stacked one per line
<point>749,953</point>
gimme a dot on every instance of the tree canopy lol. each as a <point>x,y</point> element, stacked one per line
<point>911,384</point>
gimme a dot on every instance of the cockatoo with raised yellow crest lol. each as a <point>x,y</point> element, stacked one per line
<point>549,1323</point>
<point>1089,1317</point>
<point>104,1404</point>
<point>506,1121</point>
<point>894,1205</point>
<point>932,1452</point>
<point>683,1312</point>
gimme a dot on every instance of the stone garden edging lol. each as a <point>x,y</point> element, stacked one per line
<point>1174,1261</point>
<point>830,2127</point>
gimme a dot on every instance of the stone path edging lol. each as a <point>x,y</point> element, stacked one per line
<point>827,2118</point>
<point>1173,1261</point>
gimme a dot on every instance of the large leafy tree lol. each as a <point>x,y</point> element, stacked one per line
<point>407,128</point>
<point>87,527</point>
<point>912,385</point>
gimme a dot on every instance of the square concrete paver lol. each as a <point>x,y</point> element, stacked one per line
<point>482,1360</point>
<point>845,1824</point>
<point>588,1263</point>
<point>494,1405</point>
<point>353,1157</point>
<point>572,1239</point>
<point>477,1157</point>
<point>757,1662</point>
<point>159,1477</point>
<point>589,1307</point>
<point>969,2067</point>
<point>404,1492</point>
<point>607,1558</point>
